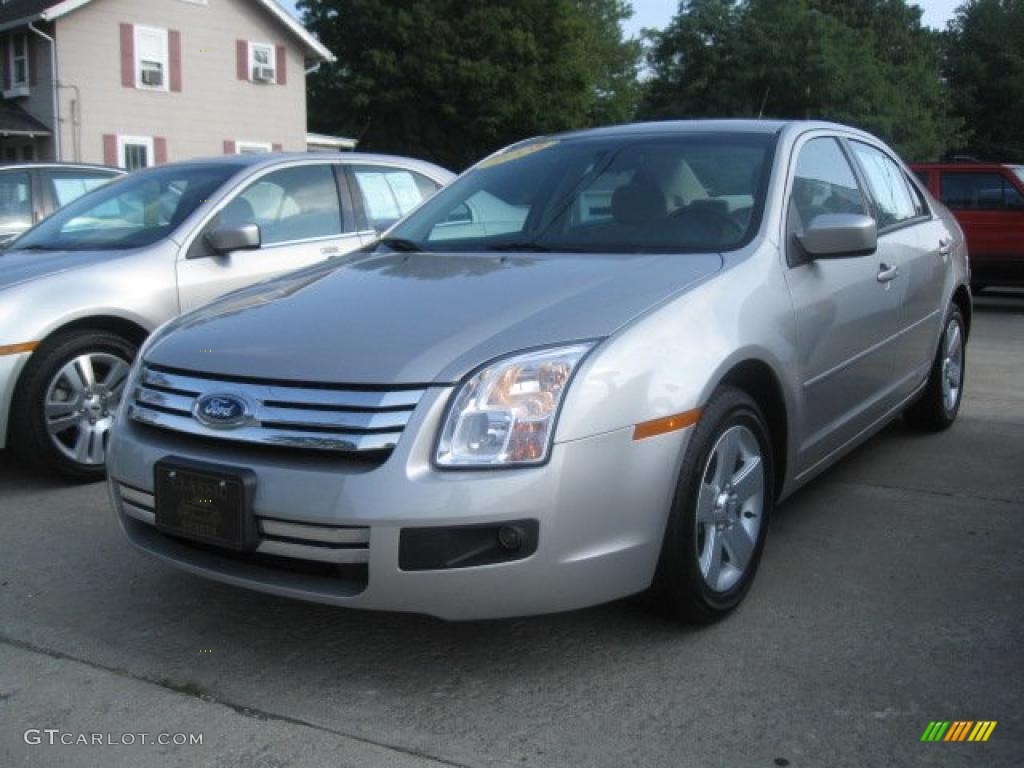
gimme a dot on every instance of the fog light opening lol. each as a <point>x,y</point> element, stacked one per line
<point>510,538</point>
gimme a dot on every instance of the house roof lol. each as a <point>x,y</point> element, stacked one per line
<point>15,121</point>
<point>15,13</point>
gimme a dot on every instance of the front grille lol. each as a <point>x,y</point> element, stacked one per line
<point>282,539</point>
<point>350,420</point>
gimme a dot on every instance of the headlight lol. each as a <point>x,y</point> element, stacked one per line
<point>136,370</point>
<point>504,415</point>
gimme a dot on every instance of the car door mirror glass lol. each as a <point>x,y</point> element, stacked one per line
<point>227,239</point>
<point>839,235</point>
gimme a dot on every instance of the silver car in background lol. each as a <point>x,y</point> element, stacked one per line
<point>588,368</point>
<point>82,290</point>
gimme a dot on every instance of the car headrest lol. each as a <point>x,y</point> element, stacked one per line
<point>238,213</point>
<point>638,202</point>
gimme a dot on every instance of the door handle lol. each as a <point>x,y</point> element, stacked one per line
<point>886,273</point>
<point>945,247</point>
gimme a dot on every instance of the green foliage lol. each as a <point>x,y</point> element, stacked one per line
<point>868,63</point>
<point>454,80</point>
<point>985,72</point>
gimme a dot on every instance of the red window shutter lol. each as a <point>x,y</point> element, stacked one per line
<point>242,59</point>
<point>127,55</point>
<point>110,150</point>
<point>281,55</point>
<point>160,150</point>
<point>174,54</point>
<point>278,147</point>
<point>229,147</point>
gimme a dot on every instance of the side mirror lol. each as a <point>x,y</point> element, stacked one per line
<point>839,235</point>
<point>228,239</point>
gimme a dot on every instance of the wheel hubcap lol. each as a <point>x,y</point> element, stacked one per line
<point>952,364</point>
<point>80,404</point>
<point>730,506</point>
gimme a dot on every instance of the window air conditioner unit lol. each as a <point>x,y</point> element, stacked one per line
<point>263,74</point>
<point>152,77</point>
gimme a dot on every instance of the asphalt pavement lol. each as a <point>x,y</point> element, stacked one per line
<point>890,596</point>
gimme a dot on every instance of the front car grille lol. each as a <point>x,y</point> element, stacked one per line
<point>353,420</point>
<point>333,544</point>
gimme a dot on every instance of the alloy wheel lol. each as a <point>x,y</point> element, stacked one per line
<point>730,508</point>
<point>80,403</point>
<point>952,364</point>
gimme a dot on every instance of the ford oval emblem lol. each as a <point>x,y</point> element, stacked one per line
<point>221,411</point>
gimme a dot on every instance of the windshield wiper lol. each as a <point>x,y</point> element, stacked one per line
<point>401,244</point>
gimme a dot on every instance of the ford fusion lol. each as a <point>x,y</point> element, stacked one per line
<point>589,368</point>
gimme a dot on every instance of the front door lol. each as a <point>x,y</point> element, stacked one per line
<point>846,311</point>
<point>302,221</point>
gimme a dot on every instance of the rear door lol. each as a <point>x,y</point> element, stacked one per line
<point>919,247</point>
<point>989,204</point>
<point>302,219</point>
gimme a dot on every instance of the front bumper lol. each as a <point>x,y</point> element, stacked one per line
<point>601,504</point>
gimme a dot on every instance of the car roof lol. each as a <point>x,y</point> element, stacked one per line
<point>709,126</point>
<point>60,166</point>
<point>271,159</point>
<point>961,166</point>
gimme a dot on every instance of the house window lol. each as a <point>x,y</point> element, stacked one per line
<point>262,63</point>
<point>151,58</point>
<point>135,152</point>
<point>19,60</point>
<point>252,148</point>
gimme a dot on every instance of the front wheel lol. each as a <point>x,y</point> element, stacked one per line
<point>718,521</point>
<point>65,402</point>
<point>939,404</point>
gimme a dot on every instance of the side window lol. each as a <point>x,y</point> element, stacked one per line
<point>894,200</point>
<point>390,193</point>
<point>979,192</point>
<point>924,176</point>
<point>824,182</point>
<point>66,186</point>
<point>15,201</point>
<point>299,203</point>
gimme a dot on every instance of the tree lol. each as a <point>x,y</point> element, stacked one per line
<point>985,72</point>
<point>868,63</point>
<point>453,80</point>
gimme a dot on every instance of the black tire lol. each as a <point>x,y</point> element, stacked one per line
<point>31,439</point>
<point>931,412</point>
<point>680,590</point>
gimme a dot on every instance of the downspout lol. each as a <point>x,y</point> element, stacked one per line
<point>57,139</point>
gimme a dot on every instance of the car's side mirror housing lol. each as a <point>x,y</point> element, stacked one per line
<point>839,236</point>
<point>228,239</point>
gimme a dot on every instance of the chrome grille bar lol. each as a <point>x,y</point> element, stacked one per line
<point>324,419</point>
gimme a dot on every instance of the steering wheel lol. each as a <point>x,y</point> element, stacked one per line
<point>706,218</point>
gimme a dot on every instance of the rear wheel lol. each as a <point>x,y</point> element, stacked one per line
<point>718,521</point>
<point>939,404</point>
<point>66,399</point>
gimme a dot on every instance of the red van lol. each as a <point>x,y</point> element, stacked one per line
<point>988,201</point>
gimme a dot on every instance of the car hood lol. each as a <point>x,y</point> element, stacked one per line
<point>22,266</point>
<point>423,318</point>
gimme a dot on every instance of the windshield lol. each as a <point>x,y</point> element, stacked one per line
<point>1019,170</point>
<point>134,211</point>
<point>632,194</point>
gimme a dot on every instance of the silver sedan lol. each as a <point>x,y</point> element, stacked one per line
<point>80,291</point>
<point>591,367</point>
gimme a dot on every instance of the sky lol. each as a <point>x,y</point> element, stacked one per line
<point>657,13</point>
